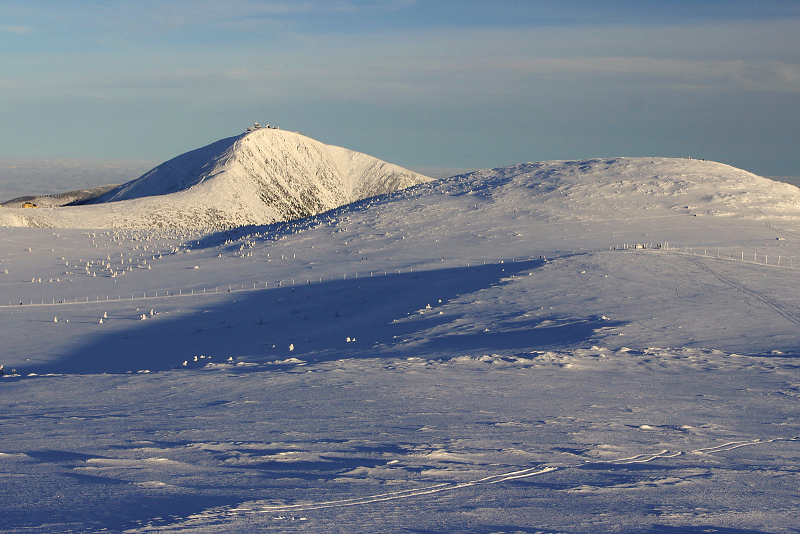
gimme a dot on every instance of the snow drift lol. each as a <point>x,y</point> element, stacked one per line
<point>262,176</point>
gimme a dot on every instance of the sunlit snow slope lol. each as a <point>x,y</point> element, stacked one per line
<point>596,346</point>
<point>621,188</point>
<point>259,177</point>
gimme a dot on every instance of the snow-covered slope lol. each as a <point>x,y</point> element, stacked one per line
<point>627,187</point>
<point>492,352</point>
<point>259,177</point>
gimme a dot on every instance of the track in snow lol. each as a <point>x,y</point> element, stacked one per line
<point>785,311</point>
<point>218,515</point>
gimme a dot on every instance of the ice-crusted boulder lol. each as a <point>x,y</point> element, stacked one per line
<point>262,176</point>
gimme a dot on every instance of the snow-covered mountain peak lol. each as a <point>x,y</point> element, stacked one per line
<point>261,176</point>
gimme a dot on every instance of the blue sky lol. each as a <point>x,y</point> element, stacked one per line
<point>454,84</point>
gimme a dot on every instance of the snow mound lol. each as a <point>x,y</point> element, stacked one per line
<point>624,188</point>
<point>260,177</point>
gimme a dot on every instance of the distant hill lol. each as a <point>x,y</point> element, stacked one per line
<point>79,196</point>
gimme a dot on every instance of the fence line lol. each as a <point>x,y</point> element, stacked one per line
<point>778,261</point>
<point>233,288</point>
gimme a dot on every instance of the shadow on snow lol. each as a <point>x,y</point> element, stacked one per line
<point>384,316</point>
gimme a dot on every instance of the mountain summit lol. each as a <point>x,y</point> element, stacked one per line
<point>262,176</point>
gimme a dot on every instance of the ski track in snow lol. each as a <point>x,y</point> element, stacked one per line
<point>785,311</point>
<point>221,514</point>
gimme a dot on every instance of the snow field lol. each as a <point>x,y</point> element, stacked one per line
<point>590,390</point>
<point>464,444</point>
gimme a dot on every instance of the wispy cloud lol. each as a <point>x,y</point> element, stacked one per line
<point>452,65</point>
<point>675,73</point>
<point>430,62</point>
<point>142,17</point>
<point>16,29</point>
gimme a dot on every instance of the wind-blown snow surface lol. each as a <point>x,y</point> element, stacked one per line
<point>377,368</point>
<point>259,177</point>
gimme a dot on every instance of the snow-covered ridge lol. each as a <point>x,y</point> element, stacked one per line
<point>259,177</point>
<point>621,188</point>
<point>271,175</point>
